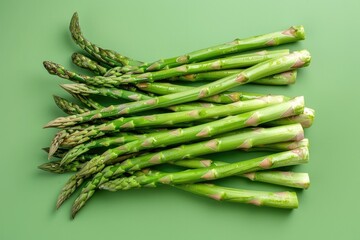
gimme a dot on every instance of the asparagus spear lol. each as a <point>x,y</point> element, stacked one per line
<point>245,139</point>
<point>169,119</point>
<point>109,57</point>
<point>157,88</point>
<point>228,124</point>
<point>289,179</point>
<point>85,62</point>
<point>225,97</point>
<point>273,66</point>
<point>257,198</point>
<point>69,107</point>
<point>238,61</point>
<point>288,158</point>
<point>284,78</point>
<point>272,161</point>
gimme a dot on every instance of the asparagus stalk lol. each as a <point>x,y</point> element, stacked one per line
<point>258,198</point>
<point>106,56</point>
<point>284,78</point>
<point>281,146</point>
<point>273,66</point>
<point>293,34</point>
<point>157,88</point>
<point>225,97</point>
<point>289,179</point>
<point>272,161</point>
<point>228,124</point>
<point>169,119</point>
<point>288,158</point>
<point>87,63</point>
<point>239,61</point>
<point>69,107</point>
<point>245,139</point>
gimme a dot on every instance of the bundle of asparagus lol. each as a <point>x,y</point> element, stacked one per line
<point>117,147</point>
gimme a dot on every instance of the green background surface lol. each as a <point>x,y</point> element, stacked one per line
<point>33,31</point>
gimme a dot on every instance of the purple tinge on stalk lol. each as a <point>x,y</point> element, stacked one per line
<point>290,32</point>
<point>250,175</point>
<point>156,159</point>
<point>234,96</point>
<point>215,196</point>
<point>216,65</point>
<point>181,69</point>
<point>271,42</point>
<point>246,144</point>
<point>176,132</point>
<point>266,163</point>
<point>135,97</point>
<point>194,113</point>
<point>182,59</point>
<point>205,132</point>
<point>300,136</point>
<point>256,202</point>
<point>212,144</point>
<point>206,163</point>
<point>150,118</point>
<point>151,102</point>
<point>204,92</point>
<point>240,78</point>
<point>209,175</point>
<point>253,120</point>
<point>287,75</point>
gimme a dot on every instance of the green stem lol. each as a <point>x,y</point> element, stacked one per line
<point>284,78</point>
<point>224,97</point>
<point>258,198</point>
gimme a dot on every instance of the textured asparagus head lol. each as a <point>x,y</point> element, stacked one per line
<point>53,167</point>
